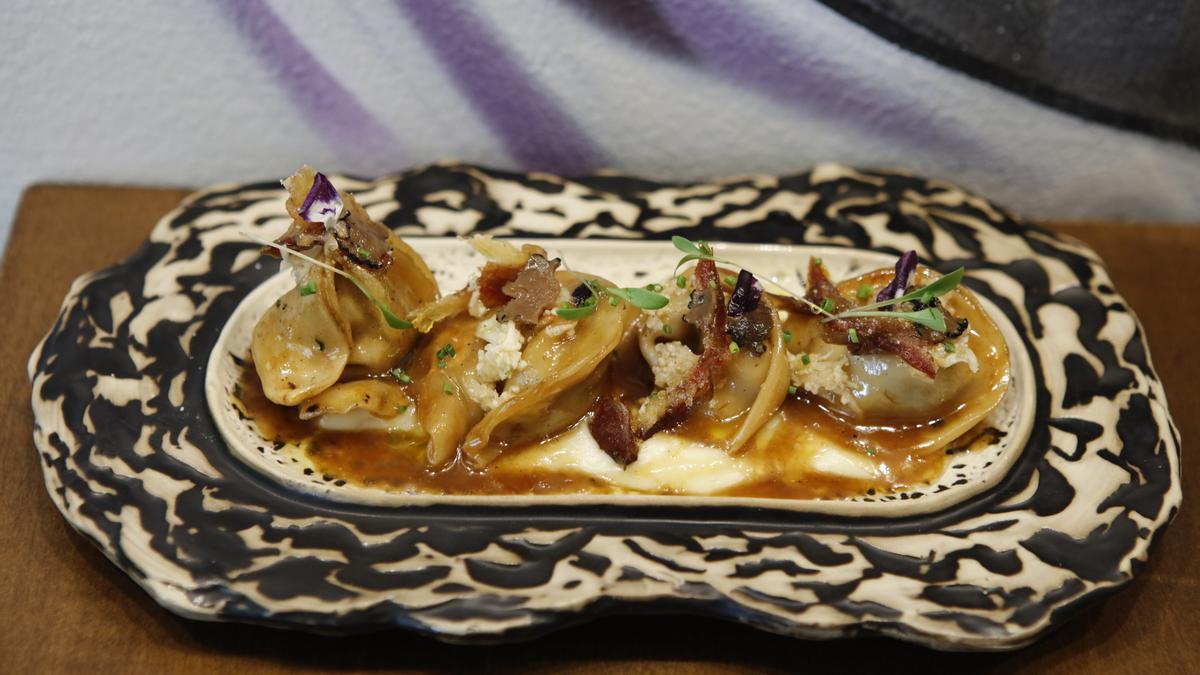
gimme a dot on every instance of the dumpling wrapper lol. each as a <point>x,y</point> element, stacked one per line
<point>303,343</point>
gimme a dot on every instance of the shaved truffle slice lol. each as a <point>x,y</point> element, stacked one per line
<point>610,426</point>
<point>363,241</point>
<point>533,290</point>
<point>707,311</point>
<point>751,329</point>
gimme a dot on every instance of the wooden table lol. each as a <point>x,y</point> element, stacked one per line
<point>68,609</point>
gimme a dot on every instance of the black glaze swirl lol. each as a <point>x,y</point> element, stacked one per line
<point>134,462</point>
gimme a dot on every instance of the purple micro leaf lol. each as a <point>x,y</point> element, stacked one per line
<point>746,294</point>
<point>321,201</point>
<point>906,269</point>
<point>580,294</point>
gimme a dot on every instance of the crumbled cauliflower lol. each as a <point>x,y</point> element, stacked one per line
<point>559,329</point>
<point>501,356</point>
<point>475,304</point>
<point>962,354</point>
<point>484,394</point>
<point>301,269</point>
<point>672,362</point>
<point>825,375</point>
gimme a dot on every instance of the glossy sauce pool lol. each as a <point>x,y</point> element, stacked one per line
<point>397,460</point>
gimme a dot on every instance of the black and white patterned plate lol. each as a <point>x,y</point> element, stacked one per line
<point>132,458</point>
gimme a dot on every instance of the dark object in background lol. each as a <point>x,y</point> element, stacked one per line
<point>1131,65</point>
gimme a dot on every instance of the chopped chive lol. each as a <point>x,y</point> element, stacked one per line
<point>870,452</point>
<point>363,253</point>
<point>666,329</point>
<point>854,336</point>
<point>680,281</point>
<point>818,261</point>
<point>442,364</point>
<point>791,390</point>
<point>308,288</point>
<point>787,336</point>
<point>657,288</point>
<point>733,347</point>
<point>613,301</point>
<point>446,351</point>
<point>446,388</point>
<point>804,359</point>
<point>731,281</point>
<point>401,409</point>
<point>827,305</point>
<point>864,291</point>
<point>712,283</point>
<point>949,347</point>
<point>401,376</point>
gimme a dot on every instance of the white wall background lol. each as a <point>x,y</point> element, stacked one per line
<point>193,92</point>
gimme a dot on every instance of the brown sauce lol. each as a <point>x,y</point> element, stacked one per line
<point>394,460</point>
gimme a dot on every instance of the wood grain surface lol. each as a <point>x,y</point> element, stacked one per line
<point>67,609</point>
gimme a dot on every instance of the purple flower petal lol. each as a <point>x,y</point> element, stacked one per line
<point>746,294</point>
<point>321,201</point>
<point>906,269</point>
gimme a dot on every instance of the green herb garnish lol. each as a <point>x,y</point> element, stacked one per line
<point>389,316</point>
<point>446,388</point>
<point>401,376</point>
<point>787,336</point>
<point>864,291</point>
<point>733,347</point>
<point>641,298</point>
<point>804,359</point>
<point>308,288</point>
<point>929,317</point>
<point>791,390</point>
<point>949,347</point>
<point>680,281</point>
<point>854,335</point>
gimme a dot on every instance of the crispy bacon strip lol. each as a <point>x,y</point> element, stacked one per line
<point>492,280</point>
<point>611,428</point>
<point>672,406</point>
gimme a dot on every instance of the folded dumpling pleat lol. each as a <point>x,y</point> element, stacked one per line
<point>305,341</point>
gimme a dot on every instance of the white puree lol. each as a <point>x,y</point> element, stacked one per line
<point>669,463</point>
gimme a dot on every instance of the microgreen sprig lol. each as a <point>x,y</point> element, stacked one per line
<point>388,315</point>
<point>929,317</point>
<point>703,251</point>
<point>638,297</point>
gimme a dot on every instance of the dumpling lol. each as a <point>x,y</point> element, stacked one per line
<point>716,362</point>
<point>506,369</point>
<point>327,323</point>
<point>890,372</point>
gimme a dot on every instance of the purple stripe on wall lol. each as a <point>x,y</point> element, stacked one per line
<point>754,54</point>
<point>332,109</point>
<point>536,131</point>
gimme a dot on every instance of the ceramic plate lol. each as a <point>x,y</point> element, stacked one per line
<point>1005,546</point>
